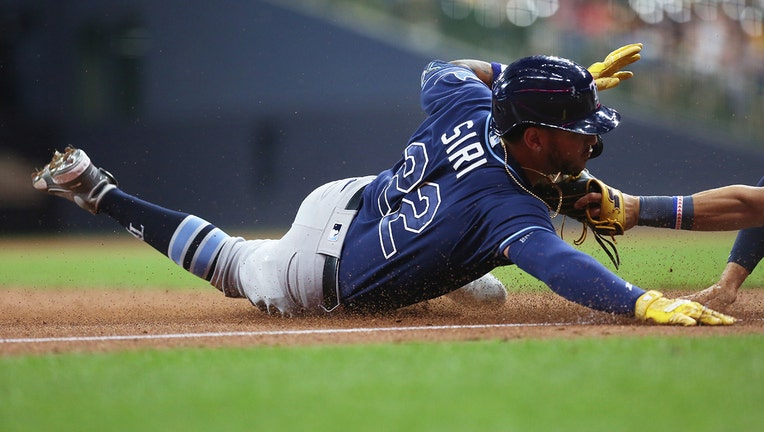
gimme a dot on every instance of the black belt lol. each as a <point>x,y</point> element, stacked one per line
<point>331,265</point>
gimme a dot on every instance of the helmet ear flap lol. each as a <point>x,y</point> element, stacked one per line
<point>597,147</point>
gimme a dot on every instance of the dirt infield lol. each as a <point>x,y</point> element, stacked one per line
<point>42,322</point>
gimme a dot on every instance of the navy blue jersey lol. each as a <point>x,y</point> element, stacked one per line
<point>441,216</point>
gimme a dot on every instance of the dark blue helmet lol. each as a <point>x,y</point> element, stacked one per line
<point>550,91</point>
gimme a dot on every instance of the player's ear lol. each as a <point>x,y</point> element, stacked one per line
<point>532,138</point>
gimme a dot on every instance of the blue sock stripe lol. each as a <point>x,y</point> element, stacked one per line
<point>183,236</point>
<point>190,253</point>
<point>202,263</point>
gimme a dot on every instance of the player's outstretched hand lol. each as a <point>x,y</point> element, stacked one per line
<point>716,296</point>
<point>652,306</point>
<point>608,74</point>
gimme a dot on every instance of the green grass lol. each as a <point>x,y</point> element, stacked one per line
<point>650,258</point>
<point>698,384</point>
<point>89,262</point>
<point>612,384</point>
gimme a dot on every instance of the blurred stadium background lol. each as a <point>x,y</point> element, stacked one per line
<point>234,110</point>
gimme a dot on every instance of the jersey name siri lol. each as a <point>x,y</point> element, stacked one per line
<point>464,150</point>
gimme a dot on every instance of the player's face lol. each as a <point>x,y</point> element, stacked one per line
<point>568,151</point>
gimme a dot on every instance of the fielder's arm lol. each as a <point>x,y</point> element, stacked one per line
<point>727,208</point>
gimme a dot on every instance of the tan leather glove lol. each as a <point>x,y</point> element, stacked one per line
<point>608,74</point>
<point>654,307</point>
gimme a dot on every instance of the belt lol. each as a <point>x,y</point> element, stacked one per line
<point>331,265</point>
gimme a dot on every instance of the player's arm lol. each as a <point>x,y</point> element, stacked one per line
<point>744,257</point>
<point>606,73</point>
<point>726,208</point>
<point>580,278</point>
<point>572,274</point>
<point>485,71</point>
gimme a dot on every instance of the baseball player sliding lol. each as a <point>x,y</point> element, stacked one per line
<point>457,204</point>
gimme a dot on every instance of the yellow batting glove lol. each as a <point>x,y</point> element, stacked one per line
<point>608,74</point>
<point>654,307</point>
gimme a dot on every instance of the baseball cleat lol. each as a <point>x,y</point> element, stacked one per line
<point>71,175</point>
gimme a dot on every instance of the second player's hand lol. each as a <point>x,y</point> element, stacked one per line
<point>631,207</point>
<point>715,296</point>
<point>723,293</point>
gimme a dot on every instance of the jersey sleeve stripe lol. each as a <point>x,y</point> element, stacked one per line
<point>520,234</point>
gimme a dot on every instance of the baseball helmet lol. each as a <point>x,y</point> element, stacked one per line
<point>549,91</point>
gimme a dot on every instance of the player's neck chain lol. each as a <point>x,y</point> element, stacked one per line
<point>552,178</point>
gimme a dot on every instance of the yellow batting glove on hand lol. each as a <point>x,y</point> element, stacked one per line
<point>608,74</point>
<point>653,306</point>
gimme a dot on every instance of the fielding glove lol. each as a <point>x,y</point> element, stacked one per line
<point>610,221</point>
<point>654,307</point>
<point>608,74</point>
